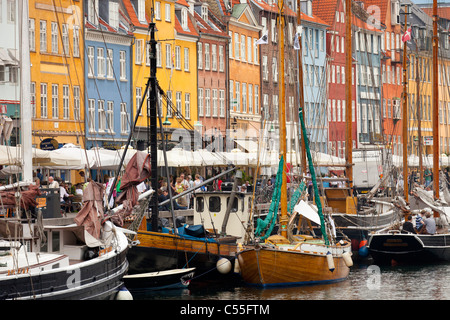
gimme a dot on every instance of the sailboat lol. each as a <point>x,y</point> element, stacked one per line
<point>283,259</point>
<point>405,246</point>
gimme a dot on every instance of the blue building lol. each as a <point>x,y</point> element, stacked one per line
<point>314,79</point>
<point>108,74</point>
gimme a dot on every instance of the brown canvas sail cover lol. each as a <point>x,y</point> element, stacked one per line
<point>91,214</point>
<point>138,170</point>
<point>28,197</point>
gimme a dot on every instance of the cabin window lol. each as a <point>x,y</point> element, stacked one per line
<point>200,204</point>
<point>235,206</point>
<point>55,241</point>
<point>214,204</point>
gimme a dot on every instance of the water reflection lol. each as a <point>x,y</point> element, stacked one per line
<point>364,283</point>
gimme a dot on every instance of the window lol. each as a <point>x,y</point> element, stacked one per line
<point>221,59</point>
<point>76,103</point>
<point>186,59</point>
<point>167,12</point>
<point>43,36</point>
<point>109,64</point>
<point>178,104</point>
<point>243,47</point>
<point>32,34</point>
<point>265,70</point>
<point>249,49</point>
<point>11,13</point>
<point>230,48</point>
<point>55,113</point>
<point>250,98</point>
<point>76,41</point>
<point>138,99</point>
<point>100,62</point>
<point>256,99</point>
<point>207,57</point>
<point>231,95</point>
<point>274,70</point>
<point>114,14</point>
<point>200,55</point>
<point>93,11</point>
<point>101,116</point>
<point>65,38</point>
<point>204,12</point>
<point>138,51</point>
<point>187,105</point>
<point>141,10</point>
<point>158,55</point>
<point>214,103</point>
<point>91,116</point>
<point>66,109</point>
<point>222,103</point>
<point>214,57</point>
<point>244,97</point>
<point>110,116</point>
<point>168,56</point>
<point>169,103</point>
<point>238,97</point>
<point>123,70</point>
<point>184,19</point>
<point>207,102</point>
<point>236,46</point>
<point>123,118</point>
<point>274,30</point>
<point>33,99</point>
<point>158,10</point>
<point>200,101</point>
<point>54,37</point>
<point>178,57</point>
<point>91,61</point>
<point>214,204</point>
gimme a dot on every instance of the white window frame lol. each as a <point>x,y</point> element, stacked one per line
<point>101,116</point>
<point>187,105</point>
<point>31,33</point>
<point>42,36</point>
<point>54,37</point>
<point>109,64</point>
<point>55,101</point>
<point>101,62</point>
<point>123,70</point>
<point>66,106</point>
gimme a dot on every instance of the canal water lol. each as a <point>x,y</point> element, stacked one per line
<point>365,282</point>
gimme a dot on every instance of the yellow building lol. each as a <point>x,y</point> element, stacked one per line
<point>176,63</point>
<point>56,55</point>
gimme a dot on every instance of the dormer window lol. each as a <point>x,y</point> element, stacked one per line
<point>395,12</point>
<point>205,11</point>
<point>184,18</point>
<point>141,10</point>
<point>114,15</point>
<point>93,11</point>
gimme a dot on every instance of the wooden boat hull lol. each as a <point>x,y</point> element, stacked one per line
<point>409,248</point>
<point>160,280</point>
<point>162,251</point>
<point>274,267</point>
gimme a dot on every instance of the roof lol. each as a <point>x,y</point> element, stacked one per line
<point>208,27</point>
<point>325,10</point>
<point>191,31</point>
<point>443,12</point>
<point>273,8</point>
<point>133,16</point>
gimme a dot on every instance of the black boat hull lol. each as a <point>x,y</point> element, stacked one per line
<point>91,281</point>
<point>409,248</point>
<point>161,280</point>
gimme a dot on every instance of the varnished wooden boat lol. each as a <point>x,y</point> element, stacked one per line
<point>301,264</point>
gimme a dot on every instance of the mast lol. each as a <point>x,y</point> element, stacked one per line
<point>419,119</point>
<point>435,95</point>
<point>348,94</point>
<point>405,118</point>
<point>25,98</point>
<point>282,122</point>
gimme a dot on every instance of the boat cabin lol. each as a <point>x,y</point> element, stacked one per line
<point>210,210</point>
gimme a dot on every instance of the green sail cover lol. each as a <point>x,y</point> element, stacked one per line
<point>271,218</point>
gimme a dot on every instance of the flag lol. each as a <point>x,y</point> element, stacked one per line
<point>407,35</point>
<point>296,42</point>
<point>263,39</point>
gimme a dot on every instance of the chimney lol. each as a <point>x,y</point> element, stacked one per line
<point>191,6</point>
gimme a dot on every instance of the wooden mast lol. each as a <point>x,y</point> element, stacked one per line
<point>282,122</point>
<point>419,119</point>
<point>435,95</point>
<point>348,95</point>
<point>405,118</point>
